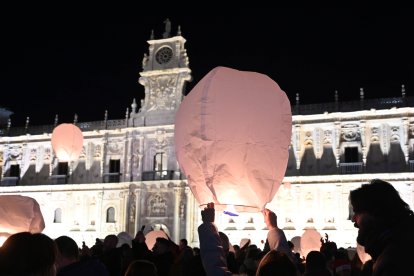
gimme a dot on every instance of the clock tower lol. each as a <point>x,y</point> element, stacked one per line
<point>165,72</point>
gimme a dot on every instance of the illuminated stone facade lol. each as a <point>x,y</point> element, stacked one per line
<point>127,175</point>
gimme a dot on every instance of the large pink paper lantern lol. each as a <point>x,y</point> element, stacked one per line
<point>19,214</point>
<point>67,142</point>
<point>232,133</point>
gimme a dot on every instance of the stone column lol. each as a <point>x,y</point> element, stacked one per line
<point>364,148</point>
<point>296,145</point>
<point>337,142</point>
<point>137,194</point>
<point>176,225</point>
<point>128,156</point>
<point>140,155</point>
<point>406,138</point>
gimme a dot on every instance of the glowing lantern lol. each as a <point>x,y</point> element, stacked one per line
<point>67,142</point>
<point>19,214</point>
<point>151,237</point>
<point>232,133</point>
<point>310,241</point>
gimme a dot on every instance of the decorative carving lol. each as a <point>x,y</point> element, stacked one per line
<point>308,139</point>
<point>115,147</point>
<point>32,156</point>
<point>160,140</point>
<point>15,152</point>
<point>350,132</point>
<point>375,135</point>
<point>47,155</point>
<point>98,151</point>
<point>157,206</point>
<point>327,137</point>
<point>395,135</point>
<point>182,209</point>
<point>132,208</point>
<point>145,61</point>
<point>411,133</point>
<point>161,96</point>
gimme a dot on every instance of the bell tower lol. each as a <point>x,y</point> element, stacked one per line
<point>165,72</point>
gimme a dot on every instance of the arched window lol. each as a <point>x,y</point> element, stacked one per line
<point>58,216</point>
<point>110,214</point>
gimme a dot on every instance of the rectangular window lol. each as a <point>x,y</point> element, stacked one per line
<point>63,168</point>
<point>114,166</point>
<point>351,155</point>
<point>15,170</point>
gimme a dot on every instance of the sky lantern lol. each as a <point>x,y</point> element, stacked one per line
<point>151,237</point>
<point>310,241</point>
<point>19,214</point>
<point>67,142</point>
<point>232,133</point>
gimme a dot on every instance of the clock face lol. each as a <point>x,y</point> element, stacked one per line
<point>163,55</point>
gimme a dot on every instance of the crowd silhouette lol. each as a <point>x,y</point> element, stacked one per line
<point>385,228</point>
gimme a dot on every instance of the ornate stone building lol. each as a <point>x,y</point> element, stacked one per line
<point>127,175</point>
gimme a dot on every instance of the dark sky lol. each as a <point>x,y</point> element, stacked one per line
<point>62,67</point>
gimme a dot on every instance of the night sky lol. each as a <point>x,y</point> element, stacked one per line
<point>62,67</point>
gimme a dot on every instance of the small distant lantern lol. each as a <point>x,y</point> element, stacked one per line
<point>67,142</point>
<point>19,214</point>
<point>232,134</point>
<point>310,241</point>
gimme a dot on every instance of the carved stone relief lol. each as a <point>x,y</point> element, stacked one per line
<point>161,93</point>
<point>395,134</point>
<point>350,132</point>
<point>375,135</point>
<point>115,147</point>
<point>327,138</point>
<point>308,139</point>
<point>157,206</point>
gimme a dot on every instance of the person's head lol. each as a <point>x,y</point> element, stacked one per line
<point>377,206</point>
<point>270,218</point>
<point>110,242</point>
<point>276,263</point>
<point>183,243</point>
<point>315,262</point>
<point>68,251</point>
<point>225,242</point>
<point>196,251</point>
<point>161,246</point>
<point>25,253</point>
<point>140,268</point>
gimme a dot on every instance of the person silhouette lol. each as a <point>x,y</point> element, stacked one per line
<point>212,253</point>
<point>276,238</point>
<point>385,227</point>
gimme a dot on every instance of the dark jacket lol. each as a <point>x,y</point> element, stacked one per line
<point>391,250</point>
<point>88,267</point>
